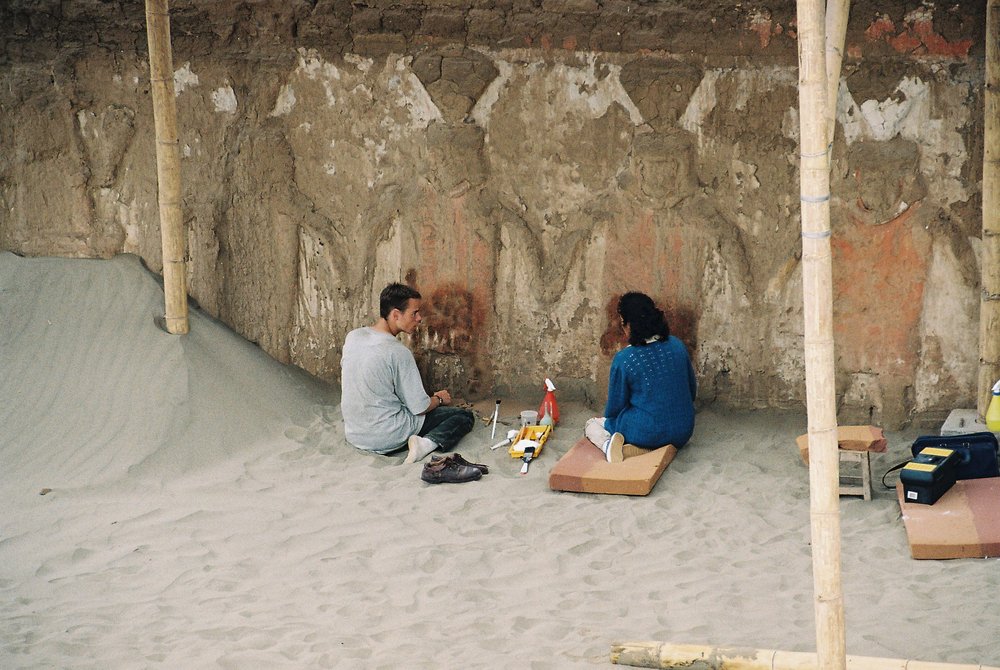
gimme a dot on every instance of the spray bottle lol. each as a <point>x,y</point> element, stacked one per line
<point>548,411</point>
<point>993,411</point>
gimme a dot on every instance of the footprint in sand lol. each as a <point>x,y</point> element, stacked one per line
<point>311,436</point>
<point>297,434</point>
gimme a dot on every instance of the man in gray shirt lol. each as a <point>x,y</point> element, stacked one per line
<point>383,400</point>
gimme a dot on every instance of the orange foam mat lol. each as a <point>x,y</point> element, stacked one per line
<point>583,469</point>
<point>963,523</point>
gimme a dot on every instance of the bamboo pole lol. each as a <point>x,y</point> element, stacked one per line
<point>687,656</point>
<point>837,12</point>
<point>817,297</point>
<point>168,166</point>
<point>989,304</point>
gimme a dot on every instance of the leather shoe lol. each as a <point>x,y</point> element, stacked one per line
<point>449,471</point>
<point>485,469</point>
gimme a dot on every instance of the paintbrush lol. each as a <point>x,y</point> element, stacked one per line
<point>529,452</point>
<point>496,416</point>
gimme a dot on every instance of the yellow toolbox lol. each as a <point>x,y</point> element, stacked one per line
<point>537,434</point>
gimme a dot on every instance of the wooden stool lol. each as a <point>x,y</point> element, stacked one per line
<point>854,443</point>
<point>856,483</point>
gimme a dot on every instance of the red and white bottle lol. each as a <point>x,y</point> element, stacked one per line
<point>548,411</point>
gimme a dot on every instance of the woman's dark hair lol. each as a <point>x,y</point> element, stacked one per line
<point>643,317</point>
<point>396,296</point>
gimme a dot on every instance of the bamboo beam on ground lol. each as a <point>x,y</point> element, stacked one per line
<point>817,298</point>
<point>173,238</point>
<point>687,656</point>
<point>989,305</point>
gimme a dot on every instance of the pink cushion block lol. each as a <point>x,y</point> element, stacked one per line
<point>963,523</point>
<point>583,469</point>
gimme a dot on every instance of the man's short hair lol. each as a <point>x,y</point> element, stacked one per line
<point>396,296</point>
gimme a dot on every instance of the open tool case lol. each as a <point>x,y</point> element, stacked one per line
<point>537,434</point>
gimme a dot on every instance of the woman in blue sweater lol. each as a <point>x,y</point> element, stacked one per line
<point>651,388</point>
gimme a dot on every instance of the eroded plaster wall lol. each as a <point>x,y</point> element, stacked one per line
<point>523,164</point>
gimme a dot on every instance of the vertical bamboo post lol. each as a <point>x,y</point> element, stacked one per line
<point>817,297</point>
<point>989,304</point>
<point>836,30</point>
<point>168,166</point>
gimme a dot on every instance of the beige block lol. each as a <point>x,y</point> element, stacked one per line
<point>849,438</point>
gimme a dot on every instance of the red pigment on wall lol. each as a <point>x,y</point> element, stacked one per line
<point>456,279</point>
<point>613,337</point>
<point>679,320</point>
<point>633,252</point>
<point>658,262</point>
<point>879,28</point>
<point>905,42</point>
<point>453,319</point>
<point>878,301</point>
<point>680,287</point>
<point>473,256</point>
<point>917,38</point>
<point>762,27</point>
<point>673,281</point>
<point>938,45</point>
<point>452,251</point>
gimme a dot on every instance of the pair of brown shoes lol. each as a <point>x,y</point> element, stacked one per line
<point>452,469</point>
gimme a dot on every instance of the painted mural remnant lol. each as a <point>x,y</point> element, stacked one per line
<point>917,36</point>
<point>880,300</point>
<point>762,23</point>
<point>454,346</point>
<point>524,189</point>
<point>680,320</point>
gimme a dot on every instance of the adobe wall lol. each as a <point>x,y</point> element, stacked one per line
<point>523,163</point>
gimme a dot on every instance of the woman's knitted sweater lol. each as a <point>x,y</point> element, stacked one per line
<point>651,391</point>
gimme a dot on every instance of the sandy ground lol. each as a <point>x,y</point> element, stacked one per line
<point>186,502</point>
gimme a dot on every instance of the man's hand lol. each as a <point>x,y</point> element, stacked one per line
<point>438,399</point>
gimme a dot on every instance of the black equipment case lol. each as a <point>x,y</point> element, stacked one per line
<point>976,452</point>
<point>929,475</point>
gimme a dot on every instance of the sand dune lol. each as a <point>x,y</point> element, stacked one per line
<point>206,512</point>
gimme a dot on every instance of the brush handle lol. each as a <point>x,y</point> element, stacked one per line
<point>529,453</point>
<point>496,416</point>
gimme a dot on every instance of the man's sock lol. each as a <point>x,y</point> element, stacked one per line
<point>419,448</point>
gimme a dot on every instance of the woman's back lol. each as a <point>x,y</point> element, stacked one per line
<point>651,393</point>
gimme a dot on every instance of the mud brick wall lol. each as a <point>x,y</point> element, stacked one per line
<point>523,163</point>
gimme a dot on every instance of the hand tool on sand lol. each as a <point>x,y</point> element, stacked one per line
<point>511,434</point>
<point>496,416</point>
<point>529,452</point>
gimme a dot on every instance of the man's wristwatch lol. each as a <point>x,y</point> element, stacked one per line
<point>440,400</point>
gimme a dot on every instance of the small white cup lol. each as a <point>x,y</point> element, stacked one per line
<point>529,417</point>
